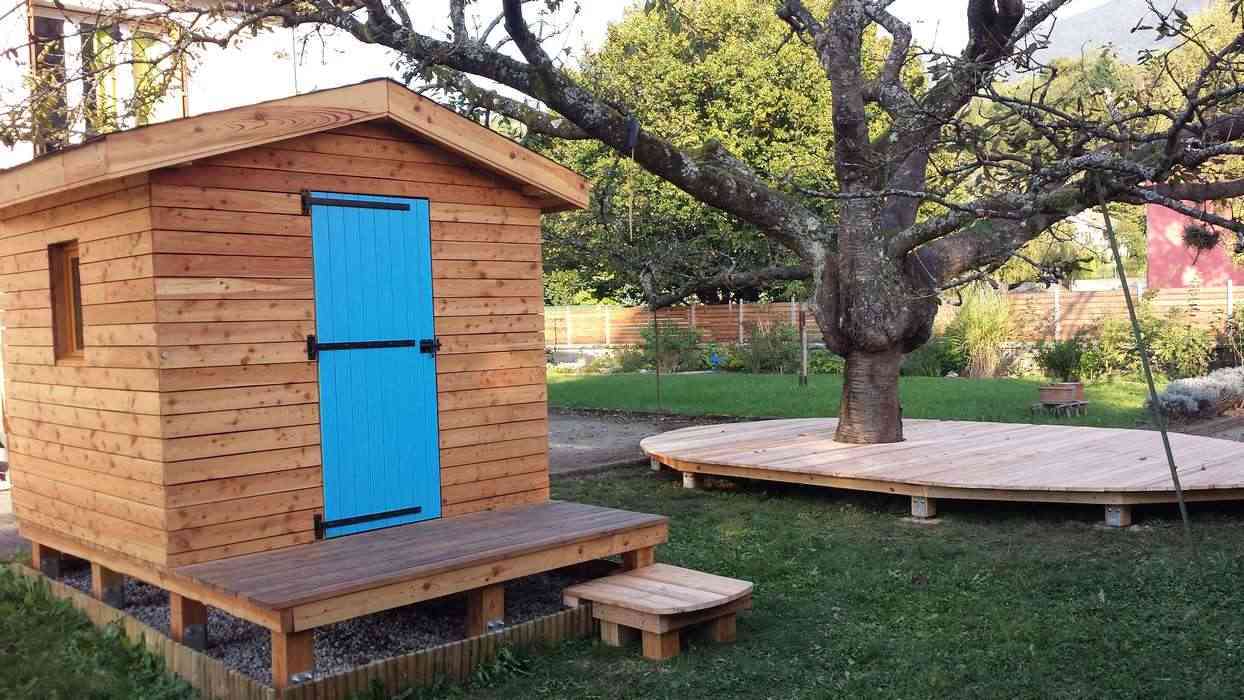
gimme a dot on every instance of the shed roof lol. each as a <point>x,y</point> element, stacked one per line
<point>188,139</point>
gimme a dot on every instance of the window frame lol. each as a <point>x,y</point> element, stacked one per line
<point>65,290</point>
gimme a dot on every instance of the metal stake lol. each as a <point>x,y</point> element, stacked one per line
<point>1159,416</point>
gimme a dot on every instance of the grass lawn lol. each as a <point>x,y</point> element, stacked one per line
<point>50,651</point>
<point>854,602</point>
<point>1118,403</point>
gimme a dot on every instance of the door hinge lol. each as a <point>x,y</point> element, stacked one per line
<point>314,347</point>
<point>309,200</point>
<point>321,525</point>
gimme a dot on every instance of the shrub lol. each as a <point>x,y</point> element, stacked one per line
<point>606,363</point>
<point>678,349</point>
<point>1233,335</point>
<point>981,329</point>
<point>632,359</point>
<point>1177,348</point>
<point>1181,349</point>
<point>1061,359</point>
<point>822,361</point>
<point>936,358</point>
<point>771,348</point>
<point>1204,397</point>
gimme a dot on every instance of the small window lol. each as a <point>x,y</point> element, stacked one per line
<point>66,300</point>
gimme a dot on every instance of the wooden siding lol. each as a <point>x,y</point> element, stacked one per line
<point>231,265</point>
<point>189,431</point>
<point>85,435</point>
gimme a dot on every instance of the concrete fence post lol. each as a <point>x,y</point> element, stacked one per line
<point>739,330</point>
<point>691,313</point>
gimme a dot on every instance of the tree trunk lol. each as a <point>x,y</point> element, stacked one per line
<point>870,410</point>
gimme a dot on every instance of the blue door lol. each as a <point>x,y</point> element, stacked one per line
<point>375,347</point>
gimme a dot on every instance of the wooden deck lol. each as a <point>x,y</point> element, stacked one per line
<point>952,459</point>
<point>321,583</point>
<point>291,591</point>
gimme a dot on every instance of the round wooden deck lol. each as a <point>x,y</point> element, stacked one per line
<point>953,459</point>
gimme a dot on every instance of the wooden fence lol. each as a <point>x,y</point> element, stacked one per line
<point>214,680</point>
<point>1041,315</point>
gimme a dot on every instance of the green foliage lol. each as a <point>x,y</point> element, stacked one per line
<point>771,349</point>
<point>821,361</point>
<point>729,75</point>
<point>1233,334</point>
<point>632,359</point>
<point>1182,349</point>
<point>1062,359</point>
<point>50,651</point>
<point>1111,353</point>
<point>1177,348</point>
<point>981,329</point>
<point>1118,403</point>
<point>936,358</point>
<point>675,347</point>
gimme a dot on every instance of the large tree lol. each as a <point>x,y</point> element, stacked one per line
<point>923,199</point>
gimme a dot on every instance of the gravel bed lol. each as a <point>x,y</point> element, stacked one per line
<point>246,647</point>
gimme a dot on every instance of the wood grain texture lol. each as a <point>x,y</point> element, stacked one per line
<point>194,412</point>
<point>954,459</point>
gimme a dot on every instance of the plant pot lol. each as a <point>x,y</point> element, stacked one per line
<point>1057,393</point>
<point>1076,389</point>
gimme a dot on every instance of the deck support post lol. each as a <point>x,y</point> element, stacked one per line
<point>723,629</point>
<point>1118,516</point>
<point>107,585</point>
<point>639,558</point>
<point>660,646</point>
<point>45,559</point>
<point>485,610</point>
<point>691,480</point>
<point>923,507</point>
<point>615,635</point>
<point>653,464</point>
<point>188,621</point>
<point>293,657</point>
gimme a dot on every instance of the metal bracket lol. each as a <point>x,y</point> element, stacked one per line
<point>315,347</point>
<point>321,525</point>
<point>430,346</point>
<point>309,200</point>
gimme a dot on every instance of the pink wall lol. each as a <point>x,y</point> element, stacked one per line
<point>1171,263</point>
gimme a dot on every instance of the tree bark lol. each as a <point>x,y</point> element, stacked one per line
<point>870,412</point>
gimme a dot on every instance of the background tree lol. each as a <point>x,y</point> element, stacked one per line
<point>728,71</point>
<point>923,199</point>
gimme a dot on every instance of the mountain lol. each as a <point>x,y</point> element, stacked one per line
<point>1111,23</point>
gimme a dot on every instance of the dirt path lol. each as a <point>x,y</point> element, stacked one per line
<point>583,442</point>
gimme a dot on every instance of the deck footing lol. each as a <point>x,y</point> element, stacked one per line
<point>293,657</point>
<point>107,585</point>
<point>691,480</point>
<point>923,507</point>
<point>188,621</point>
<point>45,559</point>
<point>485,610</point>
<point>1118,516</point>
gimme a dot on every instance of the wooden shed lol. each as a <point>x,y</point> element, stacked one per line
<point>288,360</point>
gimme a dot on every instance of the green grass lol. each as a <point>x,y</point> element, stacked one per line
<point>852,601</point>
<point>50,651</point>
<point>1118,403</point>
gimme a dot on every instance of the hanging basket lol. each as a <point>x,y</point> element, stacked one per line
<point>1201,238</point>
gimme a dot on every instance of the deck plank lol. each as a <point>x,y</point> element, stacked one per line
<point>303,574</point>
<point>1066,463</point>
